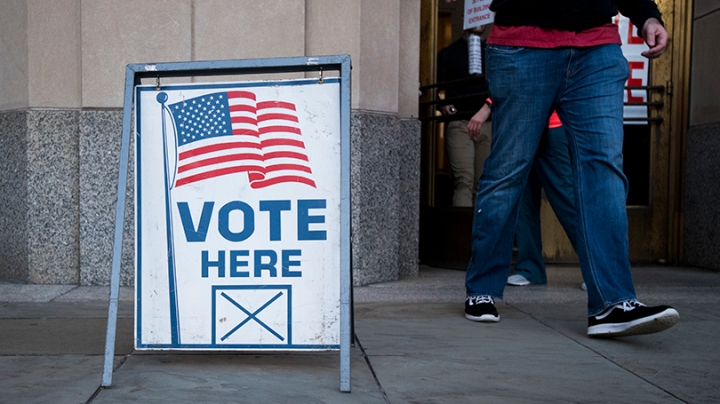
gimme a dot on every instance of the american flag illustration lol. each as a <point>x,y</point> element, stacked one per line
<point>231,132</point>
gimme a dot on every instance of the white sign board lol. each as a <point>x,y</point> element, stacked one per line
<point>238,216</point>
<point>477,13</point>
<point>632,46</point>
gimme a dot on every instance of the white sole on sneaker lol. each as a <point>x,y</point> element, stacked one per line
<point>646,325</point>
<point>517,280</point>
<point>485,318</point>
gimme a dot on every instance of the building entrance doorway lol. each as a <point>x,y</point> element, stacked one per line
<point>655,122</point>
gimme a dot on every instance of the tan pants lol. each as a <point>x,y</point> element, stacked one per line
<point>467,157</point>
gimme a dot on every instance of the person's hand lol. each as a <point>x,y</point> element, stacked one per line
<point>477,121</point>
<point>448,109</point>
<point>656,38</point>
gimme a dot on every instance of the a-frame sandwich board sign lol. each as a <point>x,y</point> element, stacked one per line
<point>242,208</point>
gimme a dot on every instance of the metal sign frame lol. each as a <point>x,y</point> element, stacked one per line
<point>136,72</point>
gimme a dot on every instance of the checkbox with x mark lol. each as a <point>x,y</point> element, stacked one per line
<point>252,315</point>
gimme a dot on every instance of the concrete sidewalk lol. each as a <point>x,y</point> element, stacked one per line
<point>413,346</point>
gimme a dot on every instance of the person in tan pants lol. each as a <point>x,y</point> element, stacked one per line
<point>466,153</point>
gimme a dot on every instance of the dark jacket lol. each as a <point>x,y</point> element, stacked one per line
<point>571,15</point>
<point>453,64</point>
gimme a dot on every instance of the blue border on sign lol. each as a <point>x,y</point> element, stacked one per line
<point>138,242</point>
<point>138,214</point>
<point>253,347</point>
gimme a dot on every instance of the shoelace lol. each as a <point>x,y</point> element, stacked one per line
<point>626,306</point>
<point>480,299</point>
<point>630,305</point>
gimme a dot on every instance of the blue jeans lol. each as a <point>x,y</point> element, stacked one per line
<point>551,170</point>
<point>585,86</point>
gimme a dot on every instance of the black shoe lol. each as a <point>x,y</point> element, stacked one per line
<point>632,318</point>
<point>481,308</point>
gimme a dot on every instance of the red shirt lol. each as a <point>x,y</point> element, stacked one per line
<point>536,37</point>
<point>554,121</point>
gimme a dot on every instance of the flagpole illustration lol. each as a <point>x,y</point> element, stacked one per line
<point>172,275</point>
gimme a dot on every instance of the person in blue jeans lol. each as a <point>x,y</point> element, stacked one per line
<point>551,170</point>
<point>564,56</point>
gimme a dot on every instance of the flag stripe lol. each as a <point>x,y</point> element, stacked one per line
<point>284,117</point>
<point>249,156</point>
<point>285,154</point>
<point>278,180</point>
<point>219,160</point>
<point>282,142</point>
<point>216,173</point>
<point>288,167</point>
<point>247,132</point>
<point>271,129</point>
<point>275,104</point>
<point>241,94</point>
<point>243,119</point>
<point>242,108</point>
<point>217,147</point>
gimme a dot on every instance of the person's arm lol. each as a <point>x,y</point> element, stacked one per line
<point>655,37</point>
<point>644,14</point>
<point>447,109</point>
<point>639,11</point>
<point>477,121</point>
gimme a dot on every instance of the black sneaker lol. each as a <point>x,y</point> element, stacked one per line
<point>632,318</point>
<point>481,308</point>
